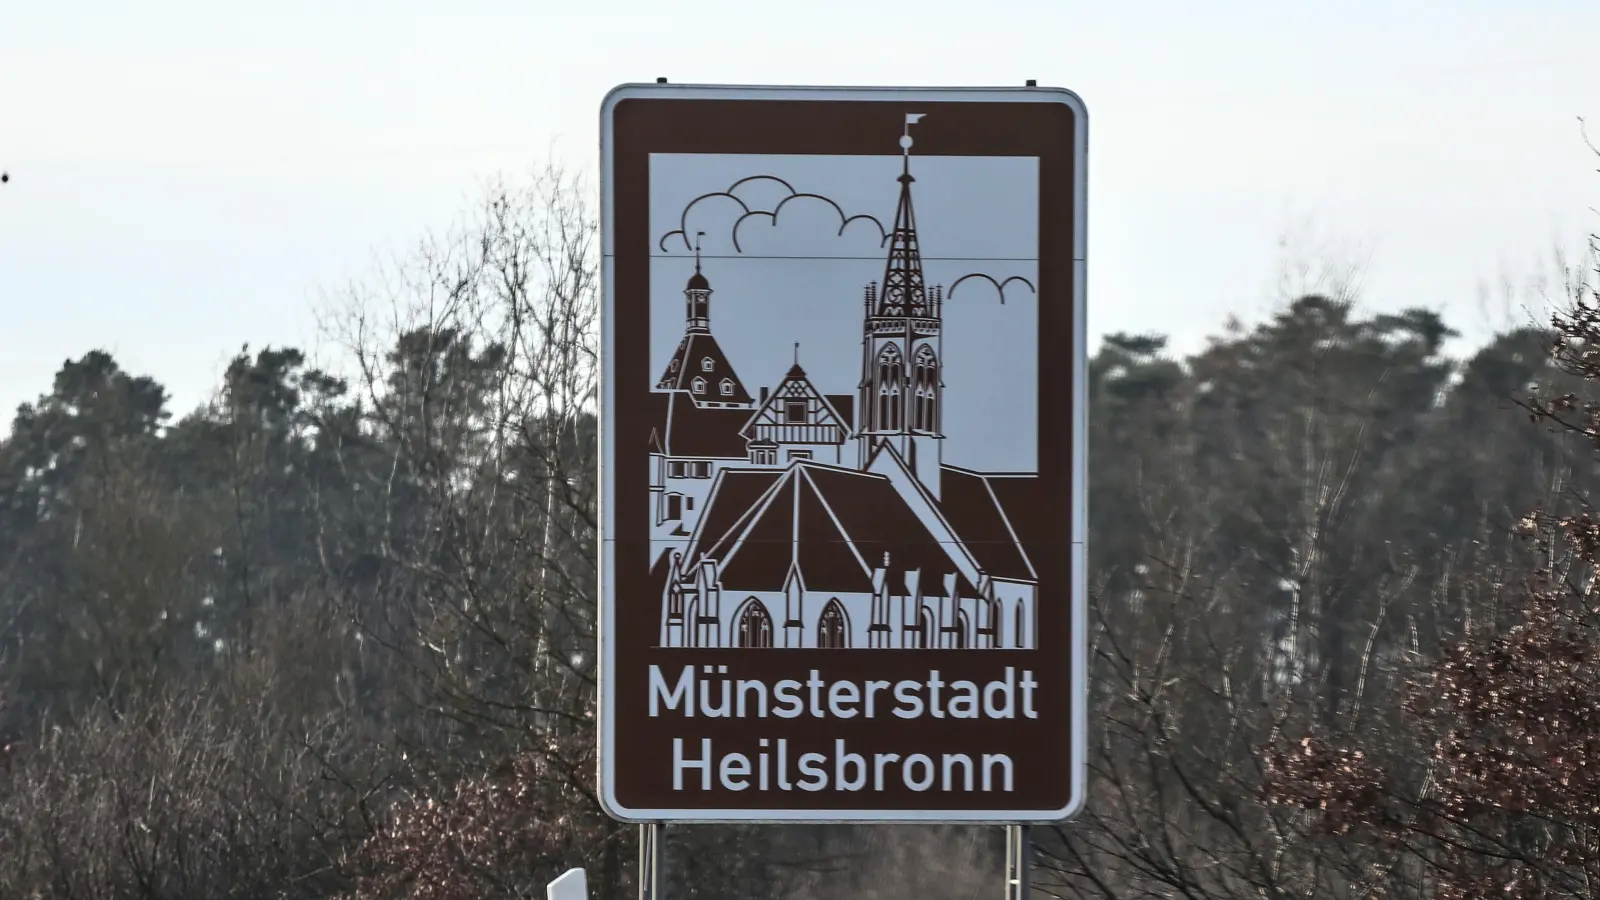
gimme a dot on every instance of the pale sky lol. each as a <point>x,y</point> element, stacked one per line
<point>189,176</point>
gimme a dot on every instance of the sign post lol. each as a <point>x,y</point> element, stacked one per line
<point>843,455</point>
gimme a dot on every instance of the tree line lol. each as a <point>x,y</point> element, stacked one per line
<point>333,635</point>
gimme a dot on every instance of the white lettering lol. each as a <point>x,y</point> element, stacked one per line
<point>734,771</point>
<point>873,687</point>
<point>682,692</point>
<point>880,760</point>
<point>841,760</point>
<point>990,760</point>
<point>711,692</point>
<point>950,762</point>
<point>789,703</point>
<point>912,781</point>
<point>815,683</point>
<point>910,704</point>
<point>721,711</point>
<point>816,777</point>
<point>679,764</point>
<point>964,705</point>
<point>746,685</point>
<point>841,696</point>
<point>991,708</point>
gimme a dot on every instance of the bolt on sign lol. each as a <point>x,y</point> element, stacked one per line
<point>843,463</point>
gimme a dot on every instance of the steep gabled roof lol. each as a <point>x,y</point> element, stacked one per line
<point>1018,497</point>
<point>734,495</point>
<point>973,507</point>
<point>845,406</point>
<point>834,525</point>
<point>797,384</point>
<point>688,362</point>
<point>687,429</point>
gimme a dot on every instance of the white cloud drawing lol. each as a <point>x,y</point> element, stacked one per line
<point>764,215</point>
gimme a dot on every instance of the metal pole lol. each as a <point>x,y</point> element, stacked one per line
<point>1019,862</point>
<point>650,861</point>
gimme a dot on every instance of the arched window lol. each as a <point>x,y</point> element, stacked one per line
<point>963,629</point>
<point>755,625</point>
<point>833,628</point>
<point>727,387</point>
<point>925,639</point>
<point>708,364</point>
<point>925,381</point>
<point>699,385</point>
<point>675,595</point>
<point>891,375</point>
<point>1017,635</point>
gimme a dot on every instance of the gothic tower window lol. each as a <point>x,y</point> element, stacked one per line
<point>926,389</point>
<point>755,625</point>
<point>891,375</point>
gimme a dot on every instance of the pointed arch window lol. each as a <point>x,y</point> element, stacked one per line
<point>699,385</point>
<point>727,387</point>
<point>833,629</point>
<point>925,639</point>
<point>925,390</point>
<point>891,375</point>
<point>755,626</point>
<point>993,622</point>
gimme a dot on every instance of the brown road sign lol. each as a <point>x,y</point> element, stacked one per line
<point>843,461</point>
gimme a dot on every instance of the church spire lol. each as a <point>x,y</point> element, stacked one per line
<point>904,290</point>
<point>899,404</point>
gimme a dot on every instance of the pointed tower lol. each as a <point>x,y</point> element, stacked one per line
<point>697,296</point>
<point>699,367</point>
<point>900,402</point>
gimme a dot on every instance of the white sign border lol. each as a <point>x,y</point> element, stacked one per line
<point>1080,473</point>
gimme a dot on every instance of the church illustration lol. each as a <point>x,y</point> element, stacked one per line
<point>796,519</point>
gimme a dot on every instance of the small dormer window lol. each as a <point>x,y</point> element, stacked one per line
<point>727,387</point>
<point>699,385</point>
<point>708,364</point>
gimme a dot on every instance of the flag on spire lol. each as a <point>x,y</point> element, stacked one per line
<point>905,137</point>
